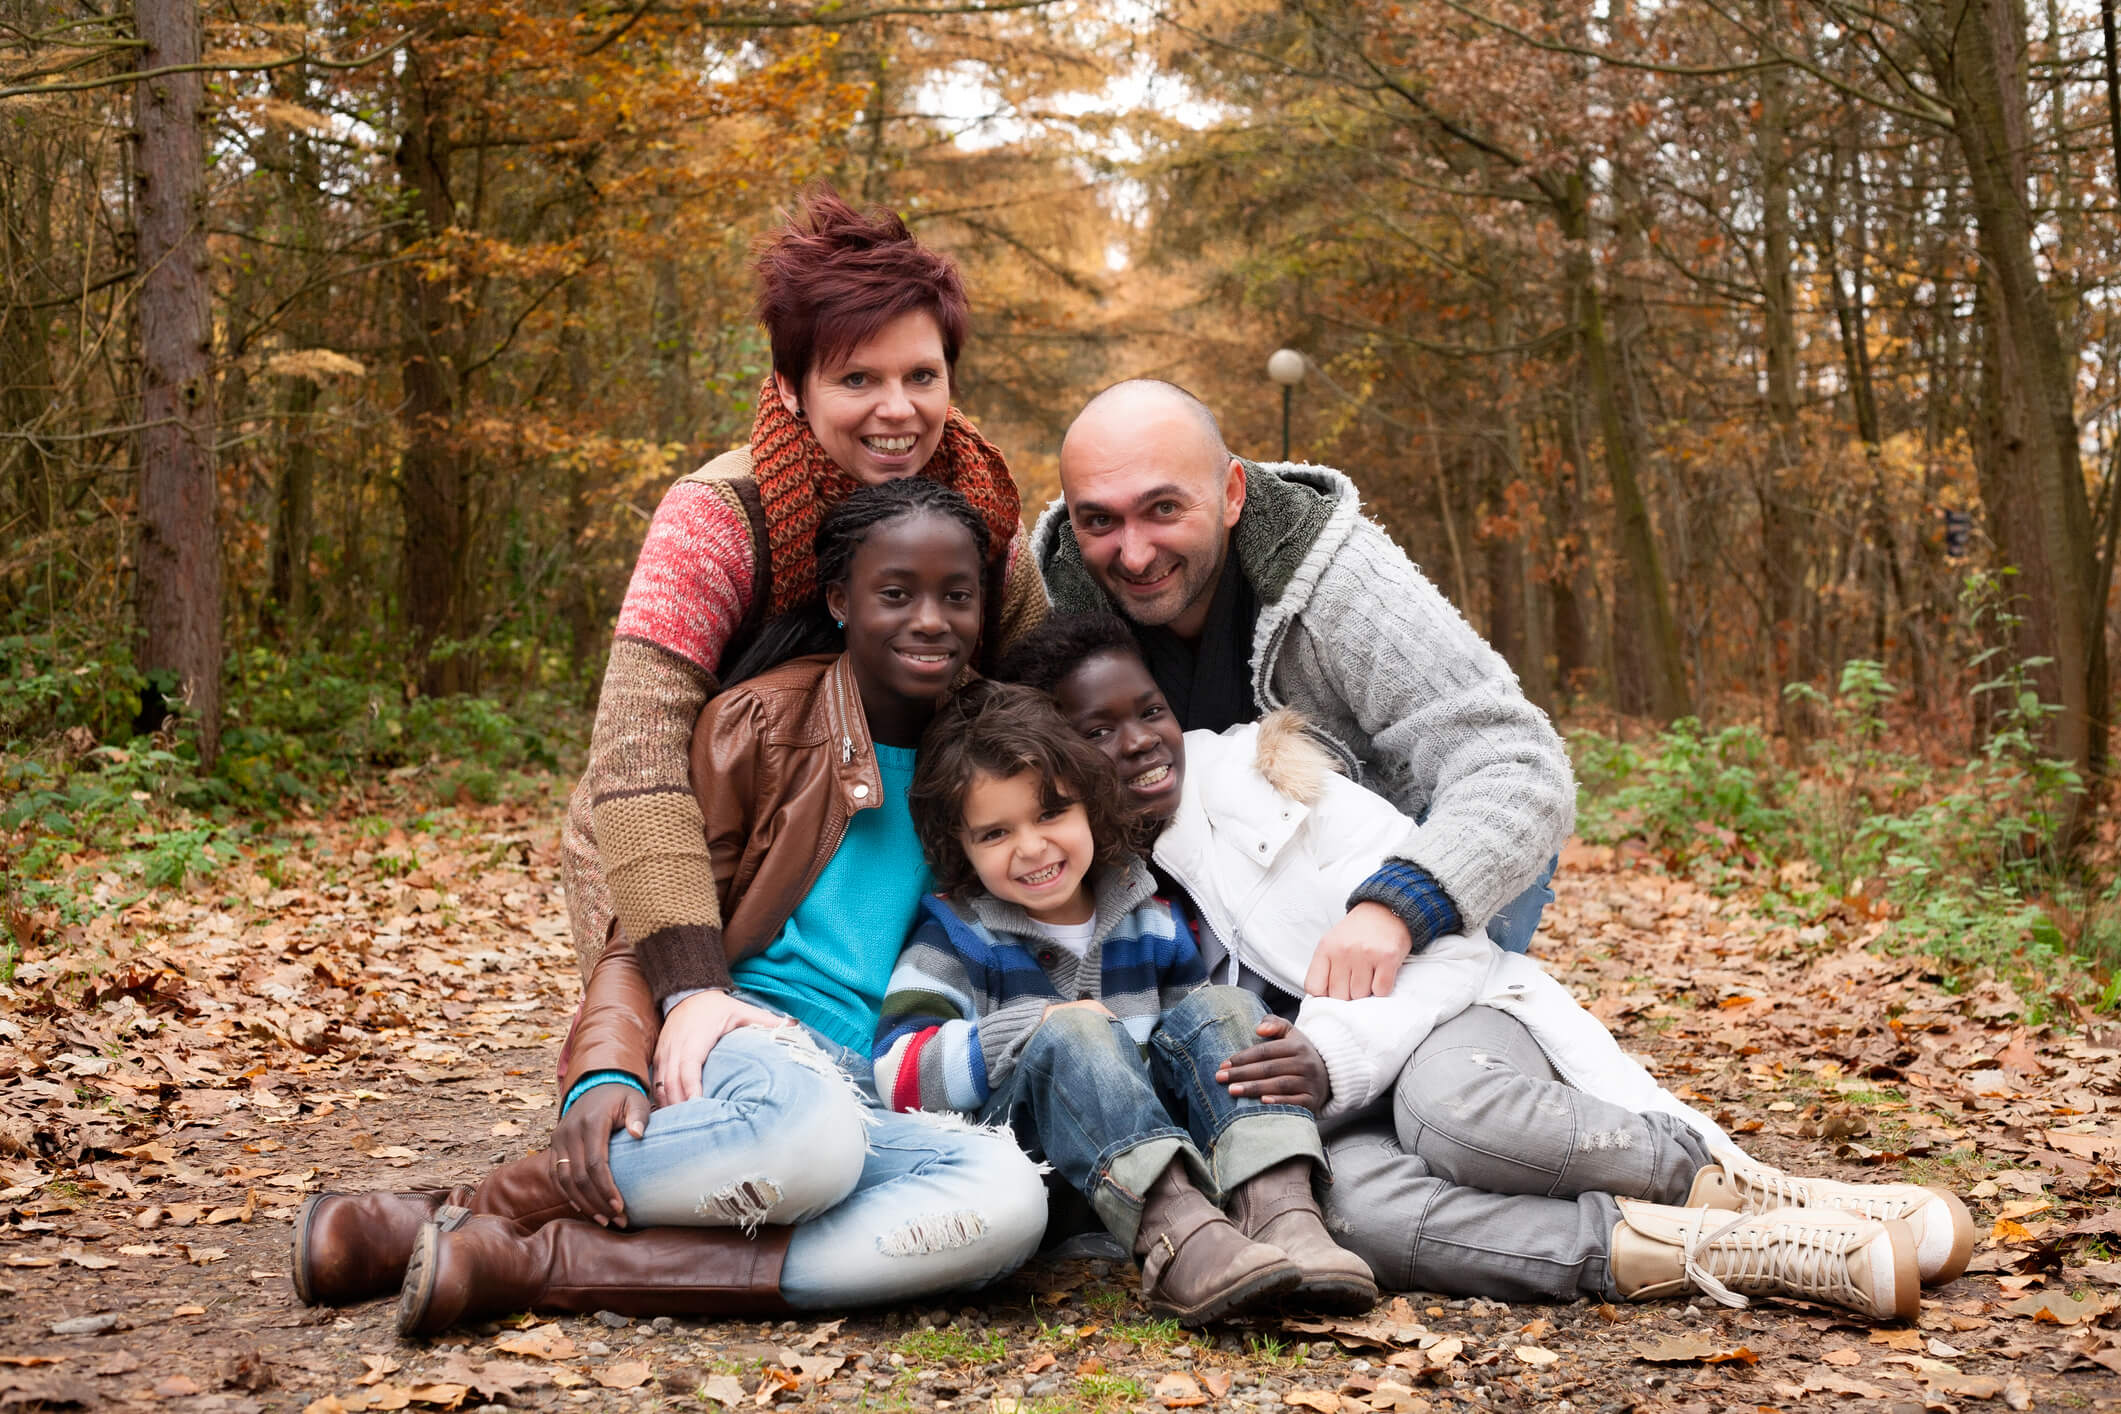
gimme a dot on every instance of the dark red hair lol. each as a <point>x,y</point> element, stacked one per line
<point>835,276</point>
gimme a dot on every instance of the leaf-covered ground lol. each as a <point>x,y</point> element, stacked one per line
<point>373,1007</point>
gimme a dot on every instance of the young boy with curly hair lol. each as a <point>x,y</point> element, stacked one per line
<point>1047,986</point>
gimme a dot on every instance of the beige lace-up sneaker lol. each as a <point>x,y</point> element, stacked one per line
<point>1944,1230</point>
<point>1823,1255</point>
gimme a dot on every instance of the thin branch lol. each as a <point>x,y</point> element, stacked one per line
<point>1555,46</point>
<point>262,66</point>
<point>829,18</point>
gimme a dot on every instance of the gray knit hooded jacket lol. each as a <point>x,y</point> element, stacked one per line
<point>1415,703</point>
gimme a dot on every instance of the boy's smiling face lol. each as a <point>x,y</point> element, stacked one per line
<point>1029,847</point>
<point>1111,699</point>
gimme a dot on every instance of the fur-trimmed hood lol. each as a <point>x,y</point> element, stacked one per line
<point>1293,761</point>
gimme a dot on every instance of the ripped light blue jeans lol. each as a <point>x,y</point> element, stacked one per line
<point>886,1207</point>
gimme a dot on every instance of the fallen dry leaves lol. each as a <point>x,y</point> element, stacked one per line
<point>177,1075</point>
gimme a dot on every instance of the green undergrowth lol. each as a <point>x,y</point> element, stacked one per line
<point>1956,860</point>
<point>85,796</point>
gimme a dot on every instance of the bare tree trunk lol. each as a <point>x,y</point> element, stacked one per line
<point>434,481</point>
<point>1781,560</point>
<point>675,417</point>
<point>28,464</point>
<point>1644,618</point>
<point>1575,658</point>
<point>584,643</point>
<point>180,547</point>
<point>294,508</point>
<point>2026,437</point>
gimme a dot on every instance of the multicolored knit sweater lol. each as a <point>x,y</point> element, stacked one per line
<point>976,978</point>
<point>634,849</point>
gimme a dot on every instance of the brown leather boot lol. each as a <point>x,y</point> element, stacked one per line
<point>1196,1266</point>
<point>1277,1207</point>
<point>353,1246</point>
<point>465,1268</point>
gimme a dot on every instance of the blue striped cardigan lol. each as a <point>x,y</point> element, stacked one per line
<point>976,979</point>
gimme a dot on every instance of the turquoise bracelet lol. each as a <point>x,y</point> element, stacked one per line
<point>595,1078</point>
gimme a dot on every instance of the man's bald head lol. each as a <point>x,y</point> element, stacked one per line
<point>1152,492</point>
<point>1124,404</point>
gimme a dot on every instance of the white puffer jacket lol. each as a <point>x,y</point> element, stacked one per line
<point>1269,842</point>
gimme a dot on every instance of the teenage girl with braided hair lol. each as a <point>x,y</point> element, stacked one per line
<point>740,1133</point>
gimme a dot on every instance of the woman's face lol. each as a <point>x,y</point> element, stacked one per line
<point>879,410</point>
<point>911,606</point>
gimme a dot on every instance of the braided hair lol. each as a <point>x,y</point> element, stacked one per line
<point>808,628</point>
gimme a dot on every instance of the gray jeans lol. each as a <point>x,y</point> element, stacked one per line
<point>1493,1176</point>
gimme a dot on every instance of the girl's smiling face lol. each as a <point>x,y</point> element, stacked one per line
<point>1113,702</point>
<point>1030,846</point>
<point>879,410</point>
<point>911,607</point>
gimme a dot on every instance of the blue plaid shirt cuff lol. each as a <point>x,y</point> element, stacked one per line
<point>1414,897</point>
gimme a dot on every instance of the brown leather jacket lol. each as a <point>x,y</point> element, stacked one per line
<point>780,764</point>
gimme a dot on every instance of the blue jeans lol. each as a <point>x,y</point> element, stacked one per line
<point>1110,1120</point>
<point>1513,927</point>
<point>886,1207</point>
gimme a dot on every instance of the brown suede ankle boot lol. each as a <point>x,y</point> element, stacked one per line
<point>1196,1266</point>
<point>1277,1207</point>
<point>353,1246</point>
<point>465,1268</point>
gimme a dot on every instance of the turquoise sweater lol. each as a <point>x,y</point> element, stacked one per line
<point>832,961</point>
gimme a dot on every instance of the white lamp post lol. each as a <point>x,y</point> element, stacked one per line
<point>1286,367</point>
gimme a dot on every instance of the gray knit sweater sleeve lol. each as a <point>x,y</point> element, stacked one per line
<point>1448,729</point>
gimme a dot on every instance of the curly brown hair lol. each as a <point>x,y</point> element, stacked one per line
<point>1003,729</point>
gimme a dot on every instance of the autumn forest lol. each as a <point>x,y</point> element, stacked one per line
<point>1747,372</point>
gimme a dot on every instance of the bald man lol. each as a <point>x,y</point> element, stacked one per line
<point>1255,585</point>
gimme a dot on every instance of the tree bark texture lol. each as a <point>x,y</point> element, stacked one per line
<point>2032,482</point>
<point>179,584</point>
<point>434,485</point>
<point>1644,620</point>
<point>1781,560</point>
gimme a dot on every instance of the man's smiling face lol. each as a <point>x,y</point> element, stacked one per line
<point>1152,498</point>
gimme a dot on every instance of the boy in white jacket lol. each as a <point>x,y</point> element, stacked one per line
<point>1495,1141</point>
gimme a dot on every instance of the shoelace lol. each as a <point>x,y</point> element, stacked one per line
<point>1771,1188</point>
<point>1798,1258</point>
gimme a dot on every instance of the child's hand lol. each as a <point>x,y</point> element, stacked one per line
<point>1360,956</point>
<point>1284,1069</point>
<point>689,1036</point>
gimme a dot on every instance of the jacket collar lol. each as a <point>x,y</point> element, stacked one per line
<point>1119,892</point>
<point>1225,797</point>
<point>834,712</point>
<point>1289,507</point>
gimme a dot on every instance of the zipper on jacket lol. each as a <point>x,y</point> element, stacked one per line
<point>1227,937</point>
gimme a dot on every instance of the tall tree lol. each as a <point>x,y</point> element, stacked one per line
<point>180,548</point>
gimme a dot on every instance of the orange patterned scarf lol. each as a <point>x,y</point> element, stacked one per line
<point>798,481</point>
